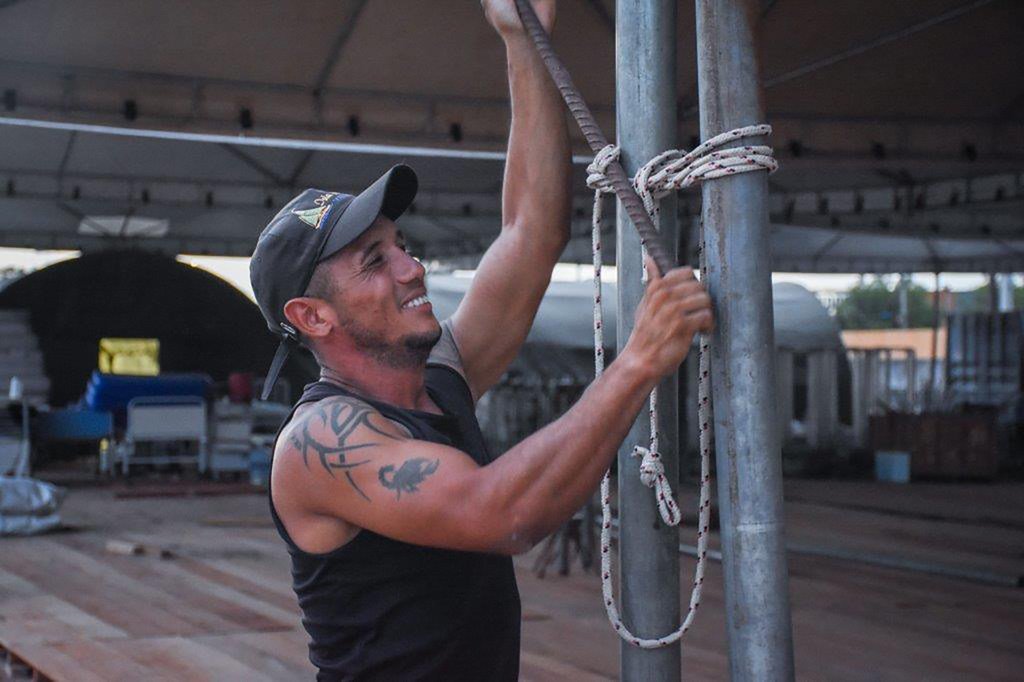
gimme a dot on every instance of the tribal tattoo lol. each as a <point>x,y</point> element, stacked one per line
<point>343,418</point>
<point>408,477</point>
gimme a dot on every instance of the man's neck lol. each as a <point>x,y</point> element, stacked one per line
<point>401,387</point>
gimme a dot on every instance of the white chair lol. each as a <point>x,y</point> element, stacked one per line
<point>165,420</point>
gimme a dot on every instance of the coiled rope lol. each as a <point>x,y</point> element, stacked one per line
<point>668,172</point>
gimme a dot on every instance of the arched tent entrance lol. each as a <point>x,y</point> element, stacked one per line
<point>203,323</point>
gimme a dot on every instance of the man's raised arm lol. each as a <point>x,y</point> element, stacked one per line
<point>498,310</point>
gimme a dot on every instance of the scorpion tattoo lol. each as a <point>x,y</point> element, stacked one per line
<point>408,476</point>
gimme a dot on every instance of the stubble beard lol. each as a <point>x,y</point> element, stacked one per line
<point>410,351</point>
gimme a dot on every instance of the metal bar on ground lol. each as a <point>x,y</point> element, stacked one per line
<point>749,462</point>
<point>648,549</point>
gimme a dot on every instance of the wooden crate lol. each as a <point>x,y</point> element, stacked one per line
<point>941,445</point>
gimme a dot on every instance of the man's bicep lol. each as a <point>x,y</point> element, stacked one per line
<point>367,471</point>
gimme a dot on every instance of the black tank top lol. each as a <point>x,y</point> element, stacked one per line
<point>376,608</point>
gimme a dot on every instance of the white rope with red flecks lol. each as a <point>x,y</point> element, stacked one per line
<point>668,172</point>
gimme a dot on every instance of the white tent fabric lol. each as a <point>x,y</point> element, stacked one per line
<point>170,112</point>
<point>565,317</point>
<point>89,189</point>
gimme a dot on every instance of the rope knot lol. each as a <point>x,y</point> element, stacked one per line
<point>652,475</point>
<point>597,170</point>
<point>651,466</point>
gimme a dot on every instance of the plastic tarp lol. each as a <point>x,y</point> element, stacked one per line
<point>28,506</point>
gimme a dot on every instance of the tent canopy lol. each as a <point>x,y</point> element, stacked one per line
<point>890,119</point>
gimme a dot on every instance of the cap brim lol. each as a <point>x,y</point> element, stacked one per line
<point>390,195</point>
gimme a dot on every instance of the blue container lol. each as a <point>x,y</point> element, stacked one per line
<point>113,392</point>
<point>892,466</point>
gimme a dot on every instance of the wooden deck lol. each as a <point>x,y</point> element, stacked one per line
<point>221,607</point>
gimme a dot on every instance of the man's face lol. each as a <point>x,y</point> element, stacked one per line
<point>380,297</point>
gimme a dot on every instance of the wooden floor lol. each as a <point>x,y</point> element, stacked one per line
<point>221,607</point>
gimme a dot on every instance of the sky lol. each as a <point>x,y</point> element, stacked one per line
<point>236,271</point>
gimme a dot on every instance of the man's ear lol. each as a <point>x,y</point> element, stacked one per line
<point>312,317</point>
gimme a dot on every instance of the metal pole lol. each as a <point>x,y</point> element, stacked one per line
<point>903,318</point>
<point>1004,292</point>
<point>645,57</point>
<point>936,320</point>
<point>749,462</point>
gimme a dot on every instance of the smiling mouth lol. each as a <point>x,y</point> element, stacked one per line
<point>416,302</point>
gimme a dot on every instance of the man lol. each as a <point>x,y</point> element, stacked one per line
<point>399,523</point>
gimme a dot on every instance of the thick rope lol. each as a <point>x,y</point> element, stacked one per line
<point>668,172</point>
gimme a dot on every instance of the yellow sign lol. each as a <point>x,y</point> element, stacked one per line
<point>130,356</point>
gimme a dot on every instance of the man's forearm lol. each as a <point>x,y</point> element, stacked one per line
<point>544,479</point>
<point>536,195</point>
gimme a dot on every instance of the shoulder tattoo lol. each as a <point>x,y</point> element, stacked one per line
<point>333,449</point>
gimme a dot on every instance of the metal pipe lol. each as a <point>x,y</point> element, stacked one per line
<point>737,248</point>
<point>270,142</point>
<point>911,379</point>
<point>903,317</point>
<point>645,82</point>
<point>933,367</point>
<point>1004,293</point>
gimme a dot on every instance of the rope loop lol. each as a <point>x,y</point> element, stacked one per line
<point>667,172</point>
<point>652,475</point>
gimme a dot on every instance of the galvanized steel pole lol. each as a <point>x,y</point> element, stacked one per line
<point>645,85</point>
<point>749,466</point>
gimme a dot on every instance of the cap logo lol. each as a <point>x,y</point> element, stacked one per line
<point>314,217</point>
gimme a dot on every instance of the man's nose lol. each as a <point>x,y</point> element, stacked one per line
<point>410,269</point>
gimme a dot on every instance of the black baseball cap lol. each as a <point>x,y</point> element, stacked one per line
<point>311,228</point>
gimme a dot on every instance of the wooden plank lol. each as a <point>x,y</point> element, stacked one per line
<point>182,658</point>
<point>80,659</point>
<point>283,601</point>
<point>539,668</point>
<point>185,579</point>
<point>281,655</point>
<point>47,618</point>
<point>57,569</point>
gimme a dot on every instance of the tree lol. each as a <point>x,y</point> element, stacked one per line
<point>980,300</point>
<point>874,305</point>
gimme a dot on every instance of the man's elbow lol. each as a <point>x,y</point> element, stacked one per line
<point>515,543</point>
<point>544,238</point>
<point>510,530</point>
